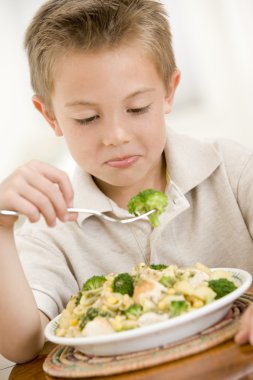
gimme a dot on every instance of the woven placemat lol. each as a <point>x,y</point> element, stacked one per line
<point>69,362</point>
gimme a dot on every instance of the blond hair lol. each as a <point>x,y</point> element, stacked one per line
<point>60,26</point>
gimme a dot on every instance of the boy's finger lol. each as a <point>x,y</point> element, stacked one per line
<point>56,176</point>
<point>32,204</point>
<point>42,192</point>
<point>251,329</point>
<point>242,337</point>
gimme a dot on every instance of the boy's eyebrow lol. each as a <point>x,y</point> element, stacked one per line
<point>87,103</point>
<point>140,91</point>
<point>79,103</point>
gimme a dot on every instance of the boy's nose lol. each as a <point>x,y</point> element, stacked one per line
<point>116,135</point>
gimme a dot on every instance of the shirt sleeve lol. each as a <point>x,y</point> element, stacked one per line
<point>47,271</point>
<point>238,161</point>
<point>245,194</point>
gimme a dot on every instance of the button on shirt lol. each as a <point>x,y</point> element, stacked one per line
<point>209,219</point>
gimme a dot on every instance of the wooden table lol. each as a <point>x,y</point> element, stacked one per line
<point>224,362</point>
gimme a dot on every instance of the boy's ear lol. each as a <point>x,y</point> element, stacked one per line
<point>171,89</point>
<point>50,118</point>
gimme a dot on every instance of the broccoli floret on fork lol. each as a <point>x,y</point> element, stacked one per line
<point>148,200</point>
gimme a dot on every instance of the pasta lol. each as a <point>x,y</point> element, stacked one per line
<point>149,294</point>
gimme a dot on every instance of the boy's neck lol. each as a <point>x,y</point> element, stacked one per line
<point>122,194</point>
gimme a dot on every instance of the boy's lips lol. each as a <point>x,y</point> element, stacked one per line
<point>123,162</point>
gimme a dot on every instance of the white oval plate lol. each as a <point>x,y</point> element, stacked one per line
<point>157,334</point>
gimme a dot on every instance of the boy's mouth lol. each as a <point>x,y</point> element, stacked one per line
<point>123,162</point>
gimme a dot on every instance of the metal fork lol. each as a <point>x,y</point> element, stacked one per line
<point>93,212</point>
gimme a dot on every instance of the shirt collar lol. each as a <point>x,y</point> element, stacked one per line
<point>189,160</point>
<point>88,195</point>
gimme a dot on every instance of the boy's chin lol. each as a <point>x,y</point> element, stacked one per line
<point>117,182</point>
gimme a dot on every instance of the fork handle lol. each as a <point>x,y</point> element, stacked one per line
<point>9,212</point>
<point>70,209</point>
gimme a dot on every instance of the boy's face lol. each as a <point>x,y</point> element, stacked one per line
<point>110,107</point>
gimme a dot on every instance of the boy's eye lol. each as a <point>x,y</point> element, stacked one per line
<point>139,110</point>
<point>87,121</point>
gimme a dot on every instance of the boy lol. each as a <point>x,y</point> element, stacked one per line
<point>104,77</point>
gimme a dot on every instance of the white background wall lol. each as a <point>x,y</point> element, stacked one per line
<point>213,41</point>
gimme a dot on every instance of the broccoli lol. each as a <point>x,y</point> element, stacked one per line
<point>158,266</point>
<point>221,287</point>
<point>148,200</point>
<point>88,316</point>
<point>123,283</point>
<point>94,282</point>
<point>91,314</point>
<point>134,310</point>
<point>78,298</point>
<point>167,281</point>
<point>178,307</point>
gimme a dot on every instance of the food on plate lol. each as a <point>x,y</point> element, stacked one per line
<point>149,294</point>
<point>148,200</point>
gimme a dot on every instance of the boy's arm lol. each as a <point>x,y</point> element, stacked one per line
<point>245,333</point>
<point>21,328</point>
<point>33,190</point>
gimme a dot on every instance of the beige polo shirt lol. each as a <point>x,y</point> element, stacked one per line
<point>209,219</point>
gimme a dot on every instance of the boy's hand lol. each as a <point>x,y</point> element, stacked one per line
<point>245,333</point>
<point>36,188</point>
